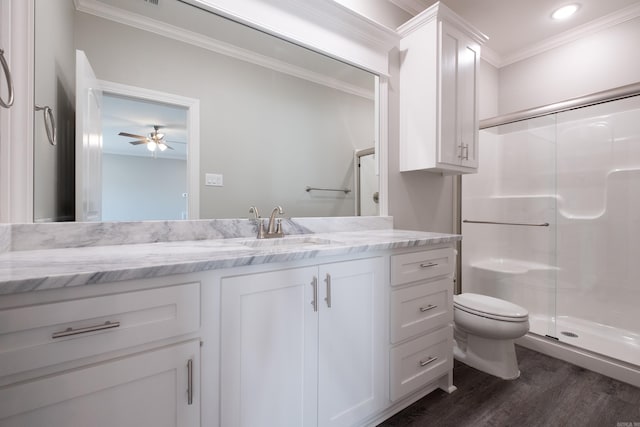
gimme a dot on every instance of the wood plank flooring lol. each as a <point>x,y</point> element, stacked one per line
<point>548,393</point>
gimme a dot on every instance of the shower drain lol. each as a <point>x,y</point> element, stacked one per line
<point>569,334</point>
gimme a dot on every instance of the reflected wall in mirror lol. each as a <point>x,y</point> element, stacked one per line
<point>274,117</point>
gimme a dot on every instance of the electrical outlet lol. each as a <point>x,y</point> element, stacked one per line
<point>213,179</point>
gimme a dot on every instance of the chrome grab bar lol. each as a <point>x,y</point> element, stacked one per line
<point>70,331</point>
<point>7,74</point>
<point>544,224</point>
<point>49,123</point>
<point>344,190</point>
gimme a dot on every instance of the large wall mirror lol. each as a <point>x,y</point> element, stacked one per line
<point>273,119</point>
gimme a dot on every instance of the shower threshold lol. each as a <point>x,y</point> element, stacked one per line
<point>616,343</point>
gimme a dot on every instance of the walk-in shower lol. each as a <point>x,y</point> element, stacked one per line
<point>552,223</point>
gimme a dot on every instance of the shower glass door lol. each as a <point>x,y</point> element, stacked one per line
<point>565,192</point>
<point>509,219</point>
<point>598,187</point>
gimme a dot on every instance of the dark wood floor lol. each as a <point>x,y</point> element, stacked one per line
<point>549,392</point>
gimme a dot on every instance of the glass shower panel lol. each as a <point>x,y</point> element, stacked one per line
<point>509,217</point>
<point>598,184</point>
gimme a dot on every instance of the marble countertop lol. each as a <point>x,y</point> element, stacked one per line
<point>31,270</point>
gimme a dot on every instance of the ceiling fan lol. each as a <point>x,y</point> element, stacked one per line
<point>154,141</point>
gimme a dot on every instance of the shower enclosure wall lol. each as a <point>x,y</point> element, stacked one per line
<point>552,222</point>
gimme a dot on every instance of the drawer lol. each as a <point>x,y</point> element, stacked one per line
<point>47,334</point>
<point>421,308</point>
<point>417,363</point>
<point>425,265</point>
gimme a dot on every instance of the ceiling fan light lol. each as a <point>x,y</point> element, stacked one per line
<point>151,146</point>
<point>565,12</point>
<point>162,146</point>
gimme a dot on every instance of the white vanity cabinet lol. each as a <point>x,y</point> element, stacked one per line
<point>439,60</point>
<point>303,346</point>
<point>421,318</point>
<point>104,355</point>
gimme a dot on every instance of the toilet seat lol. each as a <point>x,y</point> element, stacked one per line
<point>489,307</point>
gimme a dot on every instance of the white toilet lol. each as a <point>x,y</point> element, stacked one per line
<point>484,330</point>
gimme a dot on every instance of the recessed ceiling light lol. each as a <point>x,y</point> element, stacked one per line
<point>565,11</point>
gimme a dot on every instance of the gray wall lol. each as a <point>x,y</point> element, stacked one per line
<point>603,60</point>
<point>136,188</point>
<point>267,133</point>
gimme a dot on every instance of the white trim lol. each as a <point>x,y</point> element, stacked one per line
<point>412,7</point>
<point>601,364</point>
<point>440,11</point>
<point>383,144</point>
<point>141,22</point>
<point>608,21</point>
<point>193,132</point>
<point>491,56</point>
<point>16,131</point>
<point>323,26</point>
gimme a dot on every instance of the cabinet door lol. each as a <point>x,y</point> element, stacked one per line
<point>147,389</point>
<point>351,342</point>
<point>468,63</point>
<point>269,349</point>
<point>459,60</point>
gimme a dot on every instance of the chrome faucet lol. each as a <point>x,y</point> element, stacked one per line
<point>274,230</point>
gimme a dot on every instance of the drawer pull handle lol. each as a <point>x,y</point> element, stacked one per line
<point>429,360</point>
<point>70,331</point>
<point>328,297</point>
<point>427,308</point>
<point>428,264</point>
<point>314,284</point>
<point>190,382</point>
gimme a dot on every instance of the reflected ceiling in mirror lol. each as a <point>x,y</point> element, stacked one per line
<point>274,117</point>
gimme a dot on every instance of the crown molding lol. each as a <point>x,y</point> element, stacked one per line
<point>572,35</point>
<point>491,56</point>
<point>412,7</point>
<point>440,11</point>
<point>102,10</point>
<point>324,26</point>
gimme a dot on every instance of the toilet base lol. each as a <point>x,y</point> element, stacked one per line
<point>494,357</point>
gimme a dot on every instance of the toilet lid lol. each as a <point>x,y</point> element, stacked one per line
<point>487,306</point>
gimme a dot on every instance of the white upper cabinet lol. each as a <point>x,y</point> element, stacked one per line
<point>439,60</point>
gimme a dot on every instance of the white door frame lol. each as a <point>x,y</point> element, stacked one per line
<point>193,132</point>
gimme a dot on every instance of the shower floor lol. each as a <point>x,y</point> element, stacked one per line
<point>612,342</point>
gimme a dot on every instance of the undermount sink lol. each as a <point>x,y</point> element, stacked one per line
<point>281,242</point>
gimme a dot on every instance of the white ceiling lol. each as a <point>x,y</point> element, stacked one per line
<point>517,26</point>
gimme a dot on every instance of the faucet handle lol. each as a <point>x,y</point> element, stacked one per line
<point>261,231</point>
<point>279,227</point>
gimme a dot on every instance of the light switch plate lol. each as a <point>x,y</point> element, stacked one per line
<point>213,179</point>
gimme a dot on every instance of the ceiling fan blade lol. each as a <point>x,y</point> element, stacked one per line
<point>131,135</point>
<point>137,142</point>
